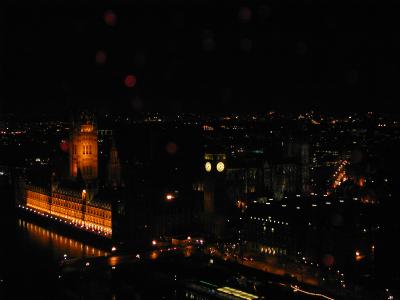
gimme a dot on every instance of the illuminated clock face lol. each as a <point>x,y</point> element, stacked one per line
<point>208,166</point>
<point>220,166</point>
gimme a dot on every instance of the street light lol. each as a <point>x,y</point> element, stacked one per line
<point>169,197</point>
<point>358,255</point>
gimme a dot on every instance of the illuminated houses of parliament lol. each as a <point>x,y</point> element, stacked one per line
<point>71,207</point>
<point>76,205</point>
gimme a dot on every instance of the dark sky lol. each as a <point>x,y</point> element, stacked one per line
<point>200,55</point>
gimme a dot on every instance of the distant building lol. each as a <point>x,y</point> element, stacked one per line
<point>287,170</point>
<point>230,182</point>
<point>114,167</point>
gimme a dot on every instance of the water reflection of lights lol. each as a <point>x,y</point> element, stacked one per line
<point>60,244</point>
<point>113,260</point>
<point>154,255</point>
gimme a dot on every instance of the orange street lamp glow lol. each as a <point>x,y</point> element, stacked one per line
<point>170,197</point>
<point>358,256</point>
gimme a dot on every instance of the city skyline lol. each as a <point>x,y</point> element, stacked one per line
<point>313,192</point>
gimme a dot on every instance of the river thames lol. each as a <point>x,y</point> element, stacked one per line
<point>31,252</point>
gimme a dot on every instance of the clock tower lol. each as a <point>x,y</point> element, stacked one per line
<point>214,166</point>
<point>83,148</point>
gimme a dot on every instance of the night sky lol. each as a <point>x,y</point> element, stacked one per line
<point>200,55</point>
